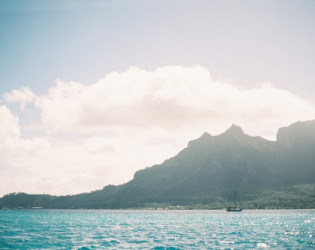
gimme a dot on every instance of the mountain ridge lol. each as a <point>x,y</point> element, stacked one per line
<point>209,169</point>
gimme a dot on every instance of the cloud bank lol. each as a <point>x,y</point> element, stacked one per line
<point>169,98</point>
<point>102,133</point>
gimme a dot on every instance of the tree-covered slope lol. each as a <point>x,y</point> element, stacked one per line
<point>208,171</point>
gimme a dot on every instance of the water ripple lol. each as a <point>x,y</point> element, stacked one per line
<point>94,229</point>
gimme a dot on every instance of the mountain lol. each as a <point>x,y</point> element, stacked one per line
<point>266,174</point>
<point>297,135</point>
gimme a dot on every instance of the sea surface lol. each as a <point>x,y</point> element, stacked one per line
<point>146,229</point>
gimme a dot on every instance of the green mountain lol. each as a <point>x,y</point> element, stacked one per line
<point>266,174</point>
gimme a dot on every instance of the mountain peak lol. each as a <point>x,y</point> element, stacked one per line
<point>234,130</point>
<point>205,135</point>
<point>298,133</point>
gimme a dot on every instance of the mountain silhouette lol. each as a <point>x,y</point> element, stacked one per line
<point>276,174</point>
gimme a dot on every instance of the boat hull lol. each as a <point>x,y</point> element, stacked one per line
<point>234,210</point>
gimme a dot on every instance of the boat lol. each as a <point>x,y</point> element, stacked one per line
<point>234,208</point>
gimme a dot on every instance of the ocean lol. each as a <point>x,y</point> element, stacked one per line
<point>152,229</point>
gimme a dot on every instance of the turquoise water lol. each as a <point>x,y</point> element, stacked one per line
<point>95,229</point>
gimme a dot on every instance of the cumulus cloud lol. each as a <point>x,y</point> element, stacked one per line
<point>22,96</point>
<point>97,144</point>
<point>170,98</point>
<point>8,124</point>
<point>10,136</point>
<point>102,133</point>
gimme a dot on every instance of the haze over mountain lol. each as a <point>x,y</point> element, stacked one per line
<point>277,174</point>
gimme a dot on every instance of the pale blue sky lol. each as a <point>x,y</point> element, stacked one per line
<point>248,42</point>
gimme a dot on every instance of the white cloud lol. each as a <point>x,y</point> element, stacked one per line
<point>8,124</point>
<point>22,96</point>
<point>170,98</point>
<point>10,136</point>
<point>102,133</point>
<point>97,144</point>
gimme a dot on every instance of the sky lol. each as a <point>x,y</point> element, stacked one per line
<point>92,91</point>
